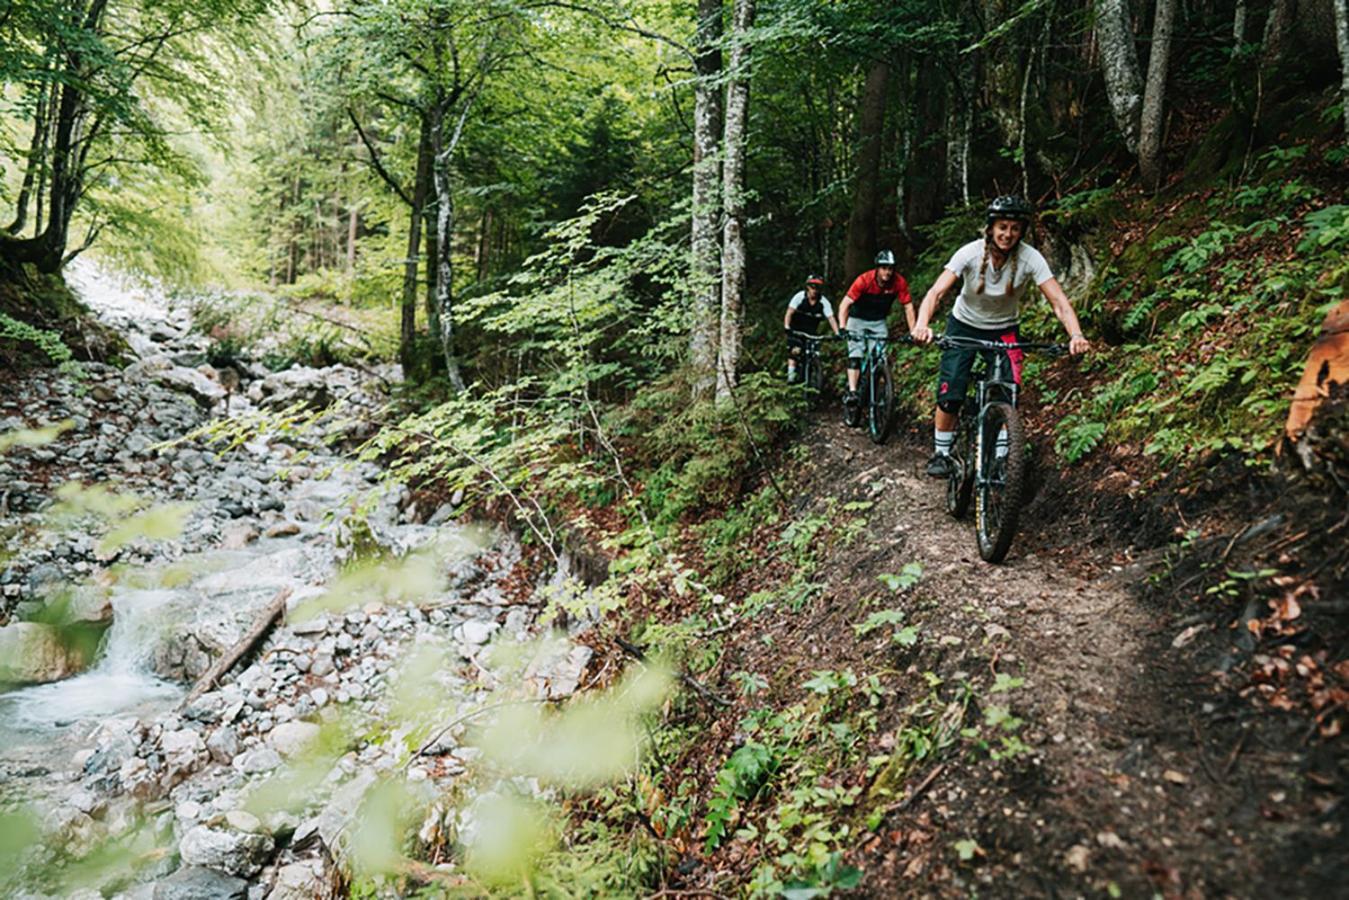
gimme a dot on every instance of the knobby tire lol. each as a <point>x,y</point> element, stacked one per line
<point>960,483</point>
<point>882,406</point>
<point>1000,484</point>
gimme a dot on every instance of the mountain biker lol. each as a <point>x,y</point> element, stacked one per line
<point>867,305</point>
<point>997,271</point>
<point>805,311</point>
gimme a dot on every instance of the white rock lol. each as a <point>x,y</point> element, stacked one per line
<point>478,632</point>
<point>290,738</point>
<point>237,853</point>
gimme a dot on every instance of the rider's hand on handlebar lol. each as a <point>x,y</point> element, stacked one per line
<point>921,334</point>
<point>1078,345</point>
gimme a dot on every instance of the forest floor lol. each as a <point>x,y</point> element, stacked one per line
<point>1082,733</point>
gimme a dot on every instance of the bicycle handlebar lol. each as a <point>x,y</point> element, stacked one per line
<point>955,341</point>
<point>814,337</point>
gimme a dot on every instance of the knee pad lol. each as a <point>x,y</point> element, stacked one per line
<point>949,406</point>
<point>854,362</point>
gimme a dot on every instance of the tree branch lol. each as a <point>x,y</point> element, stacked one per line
<point>376,164</point>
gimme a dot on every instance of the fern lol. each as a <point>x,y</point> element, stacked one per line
<point>1080,438</point>
<point>1140,311</point>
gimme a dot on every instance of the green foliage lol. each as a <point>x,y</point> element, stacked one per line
<point>739,780</point>
<point>1326,228</point>
<point>909,575</point>
<point>49,342</point>
<point>1078,437</point>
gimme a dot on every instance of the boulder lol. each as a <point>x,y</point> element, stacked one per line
<point>291,738</point>
<point>238,853</point>
<point>305,880</point>
<point>198,883</point>
<point>34,653</point>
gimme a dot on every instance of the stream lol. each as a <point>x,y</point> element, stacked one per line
<point>79,748</point>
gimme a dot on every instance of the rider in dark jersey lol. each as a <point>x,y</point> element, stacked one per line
<point>805,311</point>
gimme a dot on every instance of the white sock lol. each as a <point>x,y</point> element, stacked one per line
<point>1001,446</point>
<point>943,441</point>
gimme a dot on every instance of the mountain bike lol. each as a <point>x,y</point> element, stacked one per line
<point>988,459</point>
<point>808,365</point>
<point>875,391</point>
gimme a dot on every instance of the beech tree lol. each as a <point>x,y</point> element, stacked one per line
<point>1342,44</point>
<point>1154,95</point>
<point>706,263</point>
<point>1119,66</point>
<point>733,199</point>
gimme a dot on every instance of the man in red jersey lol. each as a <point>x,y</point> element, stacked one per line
<point>863,313</point>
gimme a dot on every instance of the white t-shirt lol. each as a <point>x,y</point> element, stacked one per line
<point>800,298</point>
<point>996,307</point>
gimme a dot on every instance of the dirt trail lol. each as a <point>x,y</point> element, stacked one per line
<point>1142,774</point>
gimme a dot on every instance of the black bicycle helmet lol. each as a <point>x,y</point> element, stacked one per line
<point>1009,206</point>
<point>817,280</point>
<point>885,258</point>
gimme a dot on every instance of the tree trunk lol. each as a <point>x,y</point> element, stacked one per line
<point>866,187</point>
<point>733,199</point>
<point>353,226</point>
<point>432,298</point>
<point>421,188</point>
<point>37,153</point>
<point>1342,42</point>
<point>1154,94</point>
<point>706,262</point>
<point>1277,28</point>
<point>1119,65</point>
<point>444,242</point>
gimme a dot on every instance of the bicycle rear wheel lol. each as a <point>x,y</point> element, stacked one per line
<point>880,416</point>
<point>1000,482</point>
<point>960,483</point>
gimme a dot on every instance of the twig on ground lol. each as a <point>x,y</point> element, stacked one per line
<point>917,792</point>
<point>702,690</point>
<point>430,742</point>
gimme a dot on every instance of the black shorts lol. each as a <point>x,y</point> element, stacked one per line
<point>953,379</point>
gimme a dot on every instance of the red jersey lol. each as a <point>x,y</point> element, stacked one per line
<point>873,301</point>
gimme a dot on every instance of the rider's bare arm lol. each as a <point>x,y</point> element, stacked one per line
<point>909,315</point>
<point>920,329</point>
<point>1063,310</point>
<point>787,319</point>
<point>833,323</point>
<point>844,305</point>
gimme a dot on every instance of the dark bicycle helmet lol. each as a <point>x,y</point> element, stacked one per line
<point>885,258</point>
<point>817,280</point>
<point>1009,206</point>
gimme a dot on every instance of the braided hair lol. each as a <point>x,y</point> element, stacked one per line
<point>983,263</point>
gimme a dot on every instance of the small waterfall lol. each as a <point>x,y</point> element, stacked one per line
<point>121,681</point>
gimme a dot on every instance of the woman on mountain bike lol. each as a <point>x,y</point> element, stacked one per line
<point>997,271</point>
<point>805,311</point>
<point>864,310</point>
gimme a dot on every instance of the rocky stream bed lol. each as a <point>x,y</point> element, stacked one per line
<point>112,751</point>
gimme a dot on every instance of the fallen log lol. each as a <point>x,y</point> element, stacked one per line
<point>264,624</point>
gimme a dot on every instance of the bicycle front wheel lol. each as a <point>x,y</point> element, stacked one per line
<point>882,405</point>
<point>815,376</point>
<point>999,480</point>
<point>960,483</point>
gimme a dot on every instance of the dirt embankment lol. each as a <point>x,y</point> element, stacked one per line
<point>1146,756</point>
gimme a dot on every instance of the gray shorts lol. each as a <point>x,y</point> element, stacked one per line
<point>857,346</point>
